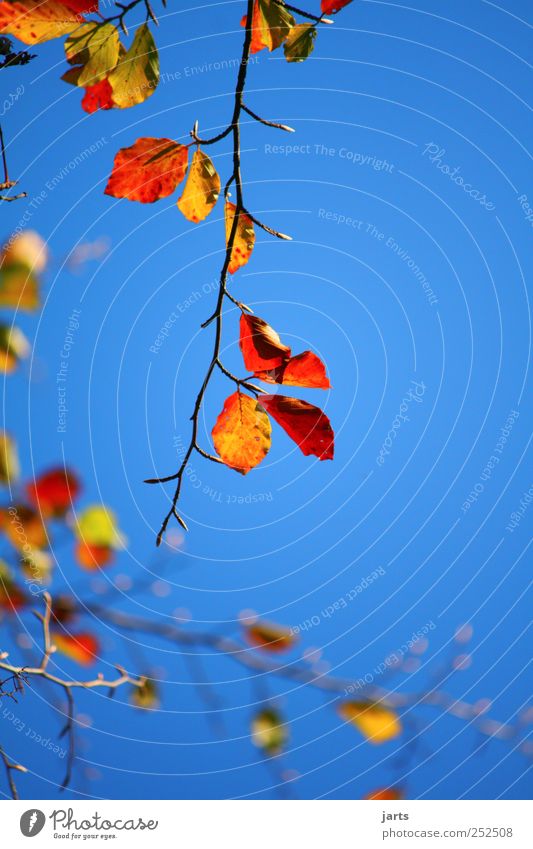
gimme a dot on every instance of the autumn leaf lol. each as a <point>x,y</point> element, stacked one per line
<point>146,696</point>
<point>23,526</point>
<point>271,24</point>
<point>385,794</point>
<point>63,608</point>
<point>96,48</point>
<point>307,425</point>
<point>244,241</point>
<point>329,7</point>
<point>270,637</point>
<point>269,732</point>
<point>92,557</point>
<point>83,648</point>
<point>22,260</point>
<point>148,170</point>
<point>12,598</point>
<point>136,76</point>
<point>35,21</point>
<point>261,347</point>
<point>241,434</point>
<point>99,96</point>
<point>304,369</point>
<point>376,722</point>
<point>97,526</point>
<point>37,565</point>
<point>300,42</point>
<point>28,249</point>
<point>13,347</point>
<point>201,189</point>
<point>54,491</point>
<point>9,460</point>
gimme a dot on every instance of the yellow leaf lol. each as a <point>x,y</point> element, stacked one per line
<point>146,696</point>
<point>376,722</point>
<point>244,237</point>
<point>13,347</point>
<point>97,526</point>
<point>95,47</point>
<point>269,732</point>
<point>35,21</point>
<point>201,189</point>
<point>9,461</point>
<point>29,249</point>
<point>241,434</point>
<point>136,76</point>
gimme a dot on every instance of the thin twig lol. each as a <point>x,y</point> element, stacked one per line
<point>268,123</point>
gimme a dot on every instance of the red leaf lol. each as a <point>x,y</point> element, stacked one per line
<point>98,96</point>
<point>308,426</point>
<point>261,347</point>
<point>11,597</point>
<point>329,7</point>
<point>91,557</point>
<point>81,7</point>
<point>305,369</point>
<point>82,647</point>
<point>386,793</point>
<point>148,170</point>
<point>271,637</point>
<point>53,492</point>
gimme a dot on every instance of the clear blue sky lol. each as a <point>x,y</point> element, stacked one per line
<point>396,103</point>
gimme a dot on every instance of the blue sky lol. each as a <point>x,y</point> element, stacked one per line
<point>409,282</point>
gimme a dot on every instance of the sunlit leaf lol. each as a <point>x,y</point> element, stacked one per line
<point>83,648</point>
<point>201,189</point>
<point>54,491</point>
<point>244,237</point>
<point>261,347</point>
<point>92,557</point>
<point>305,369</point>
<point>22,260</point>
<point>269,732</point>
<point>146,696</point>
<point>300,42</point>
<point>37,566</point>
<point>137,74</point>
<point>99,96</point>
<point>27,248</point>
<point>35,21</point>
<point>271,24</point>
<point>307,425</point>
<point>329,7</point>
<point>97,526</point>
<point>9,460</point>
<point>148,170</point>
<point>96,48</point>
<point>375,721</point>
<point>13,347</point>
<point>271,637</point>
<point>241,435</point>
<point>385,794</point>
<point>23,527</point>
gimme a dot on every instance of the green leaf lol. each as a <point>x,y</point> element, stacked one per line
<point>9,461</point>
<point>136,76</point>
<point>300,43</point>
<point>269,732</point>
<point>96,47</point>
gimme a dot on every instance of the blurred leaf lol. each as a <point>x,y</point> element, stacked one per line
<point>13,347</point>
<point>271,637</point>
<point>9,461</point>
<point>241,435</point>
<point>12,598</point>
<point>23,527</point>
<point>83,647</point>
<point>92,557</point>
<point>148,170</point>
<point>269,732</point>
<point>300,42</point>
<point>27,248</point>
<point>136,76</point>
<point>97,526</point>
<point>54,491</point>
<point>244,241</point>
<point>146,696</point>
<point>376,722</point>
<point>201,189</point>
<point>385,794</point>
<point>37,566</point>
<point>307,425</point>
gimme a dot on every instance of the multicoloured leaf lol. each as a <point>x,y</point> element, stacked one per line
<point>201,189</point>
<point>9,460</point>
<point>22,260</point>
<point>146,696</point>
<point>307,425</point>
<point>136,76</point>
<point>269,731</point>
<point>305,369</point>
<point>12,597</point>
<point>97,526</point>
<point>83,648</point>
<point>23,527</point>
<point>300,42</point>
<point>261,347</point>
<point>376,722</point>
<point>28,249</point>
<point>244,240</point>
<point>148,170</point>
<point>35,21</point>
<point>95,47</point>
<point>241,434</point>
<point>271,24</point>
<point>13,347</point>
<point>270,637</point>
<point>54,491</point>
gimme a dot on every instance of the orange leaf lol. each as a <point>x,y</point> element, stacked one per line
<point>305,369</point>
<point>329,7</point>
<point>23,526</point>
<point>97,96</point>
<point>261,346</point>
<point>244,241</point>
<point>241,435</point>
<point>91,557</point>
<point>308,426</point>
<point>271,24</point>
<point>376,722</point>
<point>53,492</point>
<point>35,21</point>
<point>385,794</point>
<point>82,648</point>
<point>148,170</point>
<point>271,637</point>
